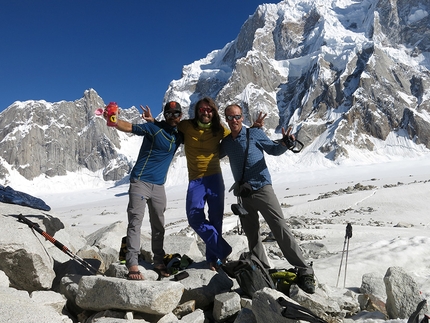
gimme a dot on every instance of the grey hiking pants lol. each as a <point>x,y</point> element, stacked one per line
<point>140,194</point>
<point>265,201</point>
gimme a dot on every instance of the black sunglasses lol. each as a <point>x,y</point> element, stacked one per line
<point>237,117</point>
<point>170,114</point>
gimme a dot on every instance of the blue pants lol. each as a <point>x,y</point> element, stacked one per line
<point>208,189</point>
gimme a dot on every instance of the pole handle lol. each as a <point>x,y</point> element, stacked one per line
<point>348,234</point>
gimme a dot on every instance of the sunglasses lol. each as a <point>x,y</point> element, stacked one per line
<point>208,110</point>
<point>174,114</point>
<point>237,117</point>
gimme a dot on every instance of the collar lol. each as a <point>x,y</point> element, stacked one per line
<point>166,126</point>
<point>203,125</point>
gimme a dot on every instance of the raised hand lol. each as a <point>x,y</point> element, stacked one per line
<point>288,139</point>
<point>146,114</point>
<point>260,120</point>
<point>288,133</point>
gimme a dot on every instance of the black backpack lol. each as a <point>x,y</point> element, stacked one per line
<point>249,273</point>
<point>415,316</point>
<point>298,312</point>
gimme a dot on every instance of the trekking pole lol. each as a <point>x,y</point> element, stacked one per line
<point>59,245</point>
<point>347,236</point>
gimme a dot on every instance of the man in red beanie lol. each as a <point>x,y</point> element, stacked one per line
<point>161,140</point>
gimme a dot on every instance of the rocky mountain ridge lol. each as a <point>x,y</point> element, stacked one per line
<point>345,75</point>
<point>352,79</point>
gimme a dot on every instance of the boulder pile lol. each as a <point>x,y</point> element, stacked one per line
<point>40,283</point>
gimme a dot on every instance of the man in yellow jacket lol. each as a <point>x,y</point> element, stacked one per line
<point>202,136</point>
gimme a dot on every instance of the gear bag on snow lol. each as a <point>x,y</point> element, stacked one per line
<point>249,273</point>
<point>297,312</point>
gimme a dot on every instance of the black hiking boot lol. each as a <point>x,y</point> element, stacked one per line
<point>307,283</point>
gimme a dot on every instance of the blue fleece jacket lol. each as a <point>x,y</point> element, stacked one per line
<point>158,148</point>
<point>256,171</point>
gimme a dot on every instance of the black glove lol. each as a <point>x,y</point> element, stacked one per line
<point>294,145</point>
<point>289,142</point>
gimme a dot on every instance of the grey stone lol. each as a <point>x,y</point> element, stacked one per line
<point>373,283</point>
<point>17,306</point>
<point>101,293</point>
<point>23,252</point>
<point>4,280</point>
<point>197,316</point>
<point>403,294</point>
<point>226,305</point>
<point>203,285</point>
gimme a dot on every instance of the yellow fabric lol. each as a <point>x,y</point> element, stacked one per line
<point>201,149</point>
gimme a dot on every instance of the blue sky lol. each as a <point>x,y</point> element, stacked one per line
<point>128,51</point>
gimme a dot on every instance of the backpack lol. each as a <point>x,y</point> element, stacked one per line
<point>415,316</point>
<point>249,273</point>
<point>297,312</point>
<point>283,279</point>
<point>175,262</point>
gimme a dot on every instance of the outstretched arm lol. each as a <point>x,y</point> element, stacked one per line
<point>124,126</point>
<point>121,125</point>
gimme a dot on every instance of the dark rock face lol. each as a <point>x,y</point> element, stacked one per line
<point>52,139</point>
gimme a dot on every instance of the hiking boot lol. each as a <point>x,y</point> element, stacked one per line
<point>307,283</point>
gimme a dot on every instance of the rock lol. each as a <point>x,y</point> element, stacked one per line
<point>203,296</point>
<point>373,283</point>
<point>98,293</point>
<point>226,305</point>
<point>50,298</point>
<point>106,242</point>
<point>403,293</point>
<point>371,303</point>
<point>239,243</point>
<point>265,307</point>
<point>112,316</point>
<point>23,252</point>
<point>4,280</point>
<point>403,225</point>
<point>17,306</point>
<point>202,285</point>
<point>197,316</point>
<point>173,244</point>
<point>185,309</point>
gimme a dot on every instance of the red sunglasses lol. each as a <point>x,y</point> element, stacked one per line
<point>208,110</point>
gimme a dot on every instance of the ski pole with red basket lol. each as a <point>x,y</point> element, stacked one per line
<point>59,245</point>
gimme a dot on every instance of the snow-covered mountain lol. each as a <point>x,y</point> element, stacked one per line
<point>343,73</point>
<point>351,77</point>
